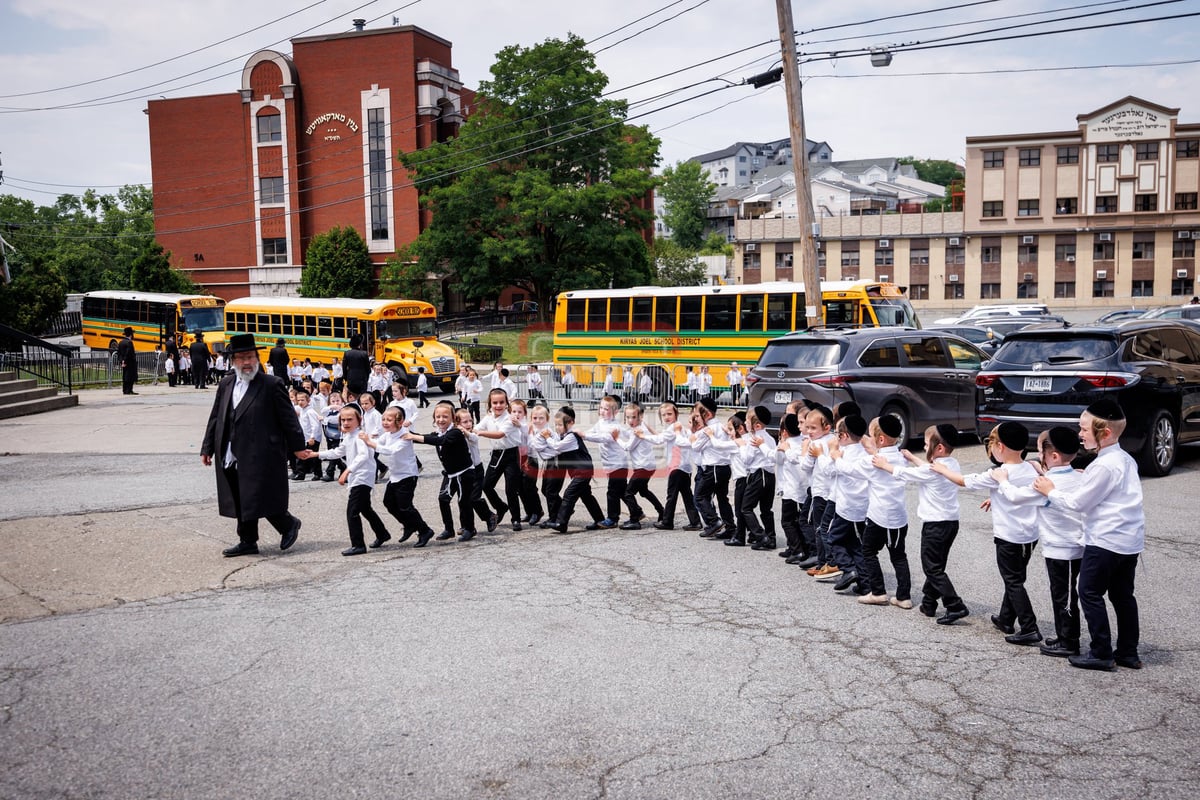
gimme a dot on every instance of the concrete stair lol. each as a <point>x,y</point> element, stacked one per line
<point>20,397</point>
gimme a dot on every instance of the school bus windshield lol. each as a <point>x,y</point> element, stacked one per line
<point>196,320</point>
<point>894,311</point>
<point>406,329</point>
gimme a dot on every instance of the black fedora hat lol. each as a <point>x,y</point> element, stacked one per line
<point>241,343</point>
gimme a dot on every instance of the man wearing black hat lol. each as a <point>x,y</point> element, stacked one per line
<point>356,366</point>
<point>1109,498</point>
<point>279,360</point>
<point>199,352</point>
<point>250,432</point>
<point>127,356</point>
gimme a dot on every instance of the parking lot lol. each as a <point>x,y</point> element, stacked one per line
<point>136,662</point>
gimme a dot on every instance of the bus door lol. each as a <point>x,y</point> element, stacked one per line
<point>169,324</point>
<point>842,313</point>
<point>366,328</point>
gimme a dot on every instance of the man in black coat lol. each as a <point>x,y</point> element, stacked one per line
<point>250,432</point>
<point>280,361</point>
<point>356,366</point>
<point>127,356</point>
<point>200,354</point>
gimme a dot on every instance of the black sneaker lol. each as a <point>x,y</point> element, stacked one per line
<point>493,521</point>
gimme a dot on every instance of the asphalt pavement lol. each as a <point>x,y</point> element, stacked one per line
<point>136,662</point>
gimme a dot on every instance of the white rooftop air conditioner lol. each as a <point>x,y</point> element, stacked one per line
<point>952,278</point>
<point>883,278</point>
<point>1181,273</point>
<point>751,247</point>
<point>1027,240</point>
<point>953,241</point>
<point>1101,274</point>
<point>1028,276</point>
<point>885,243</point>
<point>1183,234</point>
<point>1104,237</point>
<point>1070,258</point>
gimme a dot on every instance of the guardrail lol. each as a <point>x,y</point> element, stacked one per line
<point>484,321</point>
<point>49,363</point>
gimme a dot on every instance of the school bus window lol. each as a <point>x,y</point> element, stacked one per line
<point>779,312</point>
<point>643,309</point>
<point>751,314</point>
<point>720,313</point>
<point>325,326</point>
<point>689,313</point>
<point>339,328</point>
<point>839,312</point>
<point>618,318</point>
<point>575,314</point>
<point>287,325</point>
<point>664,317</point>
<point>597,314</point>
<point>274,323</point>
<point>310,326</point>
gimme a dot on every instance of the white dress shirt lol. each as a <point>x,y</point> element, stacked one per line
<point>1110,499</point>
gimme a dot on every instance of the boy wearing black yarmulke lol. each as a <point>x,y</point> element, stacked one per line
<point>1114,534</point>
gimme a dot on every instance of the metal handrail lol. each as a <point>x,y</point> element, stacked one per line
<point>22,352</point>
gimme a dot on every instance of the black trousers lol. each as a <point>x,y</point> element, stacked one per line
<point>506,463</point>
<point>129,377</point>
<point>712,496</point>
<point>247,529</point>
<point>552,487</point>
<point>466,487</point>
<point>357,508</point>
<point>529,488</point>
<point>679,485</point>
<point>199,375</point>
<point>1105,572</point>
<point>789,520</point>
<point>398,500</point>
<point>739,495</point>
<point>579,489</point>
<point>846,546</point>
<point>639,484</point>
<point>1013,562</point>
<point>759,495</point>
<point>936,540</point>
<point>618,482</point>
<point>821,512</point>
<point>1063,575</point>
<point>874,539</point>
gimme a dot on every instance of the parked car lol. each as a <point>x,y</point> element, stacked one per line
<point>1174,312</point>
<point>1047,376</point>
<point>1003,327</point>
<point>982,337</point>
<point>1120,315</point>
<point>924,377</point>
<point>980,313</point>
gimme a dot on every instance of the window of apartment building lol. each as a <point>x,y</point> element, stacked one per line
<point>751,260</point>
<point>884,256</point>
<point>756,162</point>
<point>849,257</point>
<point>741,159</point>
<point>989,291</point>
<point>1106,204</point>
<point>1102,288</point>
<point>1028,208</point>
<point>274,251</point>
<point>821,261</point>
<point>954,291</point>
<point>377,159</point>
<point>1029,157</point>
<point>918,255</point>
<point>270,127</point>
<point>918,291</point>
<point>989,255</point>
<point>1103,251</point>
<point>1143,250</point>
<point>1187,148</point>
<point>784,260</point>
<point>993,159</point>
<point>1183,248</point>
<point>1027,290</point>
<point>1183,287</point>
<point>1064,252</point>
<point>1027,254</point>
<point>270,190</point>
<point>1143,288</point>
<point>742,173</point>
<point>1066,205</point>
<point>1064,289</point>
<point>1068,155</point>
<point>1185,201</point>
<point>1145,202</point>
<point>1106,153</point>
<point>1145,151</point>
<point>956,254</point>
<point>993,208</point>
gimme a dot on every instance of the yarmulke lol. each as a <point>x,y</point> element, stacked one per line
<point>763,414</point>
<point>740,416</point>
<point>891,426</point>
<point>855,425</point>
<point>1013,435</point>
<point>948,434</point>
<point>1065,440</point>
<point>824,412</point>
<point>303,391</point>
<point>791,424</point>
<point>1106,409</point>
<point>567,412</point>
<point>709,404</point>
<point>848,408</point>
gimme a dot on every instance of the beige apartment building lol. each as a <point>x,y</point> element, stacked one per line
<point>1104,214</point>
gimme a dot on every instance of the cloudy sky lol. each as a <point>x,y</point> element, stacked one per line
<point>107,57</point>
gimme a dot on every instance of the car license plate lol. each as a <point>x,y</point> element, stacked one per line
<point>1038,384</point>
<point>783,397</point>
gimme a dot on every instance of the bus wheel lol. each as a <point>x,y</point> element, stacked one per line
<point>112,346</point>
<point>399,375</point>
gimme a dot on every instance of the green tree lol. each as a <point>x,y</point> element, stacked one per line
<point>676,265</point>
<point>545,187</point>
<point>933,170</point>
<point>715,245</point>
<point>403,277</point>
<point>152,272</point>
<point>337,264</point>
<point>686,192</point>
<point>36,295</point>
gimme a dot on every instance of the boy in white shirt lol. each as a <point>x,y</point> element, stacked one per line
<point>847,461</point>
<point>533,383</point>
<point>422,388</point>
<point>712,478</point>
<point>614,460</point>
<point>792,487</point>
<point>642,463</point>
<point>735,378</point>
<point>887,518</point>
<point>310,424</point>
<point>758,456</point>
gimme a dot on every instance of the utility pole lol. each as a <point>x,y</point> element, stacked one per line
<point>809,229</point>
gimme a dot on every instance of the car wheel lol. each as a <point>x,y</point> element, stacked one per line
<point>1158,453</point>
<point>905,428</point>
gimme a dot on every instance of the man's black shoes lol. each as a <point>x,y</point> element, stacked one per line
<point>241,549</point>
<point>289,538</point>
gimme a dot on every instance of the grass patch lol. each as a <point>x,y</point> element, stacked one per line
<point>520,346</point>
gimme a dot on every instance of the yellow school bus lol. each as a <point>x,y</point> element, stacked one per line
<point>154,317</point>
<point>399,333</point>
<point>677,328</point>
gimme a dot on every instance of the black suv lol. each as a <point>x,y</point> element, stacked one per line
<point>924,377</point>
<point>1048,376</point>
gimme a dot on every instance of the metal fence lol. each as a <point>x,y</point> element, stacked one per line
<point>483,321</point>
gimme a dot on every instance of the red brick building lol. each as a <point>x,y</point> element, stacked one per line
<point>243,181</point>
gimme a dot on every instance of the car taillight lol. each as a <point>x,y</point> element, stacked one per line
<point>833,381</point>
<point>984,381</point>
<point>751,380</point>
<point>1104,381</point>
